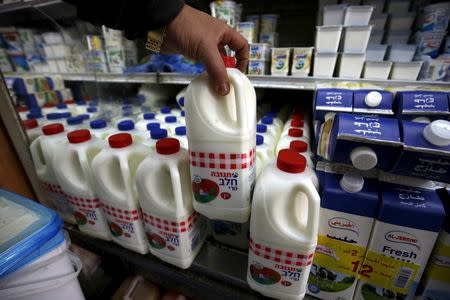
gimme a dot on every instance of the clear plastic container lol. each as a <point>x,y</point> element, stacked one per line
<point>324,64</point>
<point>356,38</point>
<point>377,69</point>
<point>327,38</point>
<point>351,65</point>
<point>358,15</point>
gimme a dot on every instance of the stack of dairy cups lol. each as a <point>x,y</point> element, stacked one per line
<point>114,49</point>
<point>259,59</point>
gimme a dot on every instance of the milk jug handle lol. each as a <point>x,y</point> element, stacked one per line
<point>34,149</point>
<point>313,209</point>
<point>126,176</point>
<point>239,91</point>
<point>175,180</point>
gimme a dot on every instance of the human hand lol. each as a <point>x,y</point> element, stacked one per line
<point>198,35</point>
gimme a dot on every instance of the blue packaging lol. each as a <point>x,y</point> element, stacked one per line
<point>430,104</point>
<point>332,100</point>
<point>365,102</point>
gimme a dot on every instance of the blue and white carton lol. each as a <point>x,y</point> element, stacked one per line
<point>365,142</point>
<point>422,105</point>
<point>406,228</point>
<point>349,205</point>
<point>376,102</point>
<point>426,150</point>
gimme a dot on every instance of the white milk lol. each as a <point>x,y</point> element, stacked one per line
<point>171,123</point>
<point>283,228</point>
<point>147,118</point>
<point>74,123</point>
<point>296,124</point>
<point>127,126</point>
<point>73,170</point>
<point>294,134</point>
<point>43,149</point>
<point>155,135</point>
<point>115,177</point>
<point>261,129</point>
<point>176,232</point>
<point>402,239</point>
<point>264,154</point>
<point>32,129</point>
<point>100,129</point>
<point>275,119</point>
<point>180,135</point>
<point>272,128</point>
<point>221,135</point>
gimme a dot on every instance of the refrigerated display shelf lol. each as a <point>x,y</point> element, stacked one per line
<point>265,81</point>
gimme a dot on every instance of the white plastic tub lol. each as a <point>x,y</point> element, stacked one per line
<point>401,21</point>
<point>356,38</point>
<point>258,67</point>
<point>379,21</point>
<point>397,37</point>
<point>394,6</point>
<point>405,70</point>
<point>376,52</point>
<point>327,38</point>
<point>334,14</point>
<point>324,64</point>
<point>401,53</point>
<point>351,65</point>
<point>377,69</point>
<point>358,15</point>
<point>376,37</point>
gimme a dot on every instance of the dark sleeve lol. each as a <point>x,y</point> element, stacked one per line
<point>134,17</point>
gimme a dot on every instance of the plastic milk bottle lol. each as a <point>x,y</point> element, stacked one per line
<point>283,228</point>
<point>100,129</point>
<point>174,229</point>
<point>32,129</point>
<point>43,149</point>
<point>261,129</point>
<point>147,118</point>
<point>73,170</point>
<point>264,153</point>
<point>221,135</point>
<point>115,177</point>
<point>294,134</point>
<point>180,134</point>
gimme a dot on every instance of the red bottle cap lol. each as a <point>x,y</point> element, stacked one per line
<point>290,161</point>
<point>69,101</point>
<point>21,109</point>
<point>79,136</point>
<point>295,132</point>
<point>30,124</point>
<point>120,140</point>
<point>52,129</point>
<point>167,146</point>
<point>298,146</point>
<point>297,123</point>
<point>229,61</point>
<point>48,105</point>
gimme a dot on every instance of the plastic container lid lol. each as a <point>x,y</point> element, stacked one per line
<point>158,134</point>
<point>30,124</point>
<point>52,129</point>
<point>261,128</point>
<point>97,124</point>
<point>267,120</point>
<point>149,116</point>
<point>290,161</point>
<point>65,115</point>
<point>92,109</point>
<point>181,130</point>
<point>165,110</point>
<point>352,183</point>
<point>167,146</point>
<point>373,99</point>
<point>438,133</point>
<point>84,116</point>
<point>125,125</point>
<point>53,116</point>
<point>34,115</point>
<point>79,136</point>
<point>295,132</point>
<point>171,119</point>
<point>120,140</point>
<point>74,120</point>
<point>298,146</point>
<point>151,126</point>
<point>363,158</point>
<point>297,123</point>
<point>61,106</point>
<point>259,140</point>
<point>183,113</point>
<point>229,61</point>
<point>40,226</point>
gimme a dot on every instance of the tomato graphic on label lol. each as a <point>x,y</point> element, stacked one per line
<point>264,275</point>
<point>115,229</point>
<point>225,195</point>
<point>205,190</point>
<point>156,241</point>
<point>80,218</point>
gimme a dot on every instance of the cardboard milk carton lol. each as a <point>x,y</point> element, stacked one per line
<point>376,102</point>
<point>424,106</point>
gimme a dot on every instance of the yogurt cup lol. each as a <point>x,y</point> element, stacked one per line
<point>377,69</point>
<point>358,15</point>
<point>256,20</point>
<point>247,30</point>
<point>269,23</point>
<point>280,61</point>
<point>356,38</point>
<point>327,38</point>
<point>324,64</point>
<point>397,37</point>
<point>376,52</point>
<point>259,51</point>
<point>401,53</point>
<point>269,38</point>
<point>258,67</point>
<point>406,70</point>
<point>301,61</point>
<point>351,65</point>
<point>334,14</point>
<point>403,21</point>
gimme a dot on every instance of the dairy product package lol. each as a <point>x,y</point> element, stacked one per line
<point>432,105</point>
<point>377,102</point>
<point>259,51</point>
<point>256,20</point>
<point>301,61</point>
<point>258,67</point>
<point>224,10</point>
<point>268,23</point>
<point>365,142</point>
<point>435,282</point>
<point>349,205</point>
<point>280,61</point>
<point>247,30</point>
<point>426,150</point>
<point>115,58</point>
<point>269,38</point>
<point>406,228</point>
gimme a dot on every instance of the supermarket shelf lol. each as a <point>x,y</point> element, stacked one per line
<point>17,6</point>
<point>266,81</point>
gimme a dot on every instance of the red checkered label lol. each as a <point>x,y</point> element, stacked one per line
<point>281,256</point>
<point>83,202</point>
<point>172,226</point>
<point>123,214</point>
<point>53,188</point>
<point>57,196</point>
<point>223,161</point>
<point>88,213</point>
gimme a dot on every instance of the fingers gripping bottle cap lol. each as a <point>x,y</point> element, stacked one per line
<point>290,161</point>
<point>259,140</point>
<point>363,158</point>
<point>79,136</point>
<point>373,99</point>
<point>438,133</point>
<point>167,146</point>
<point>229,61</point>
<point>120,140</point>
<point>352,183</point>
